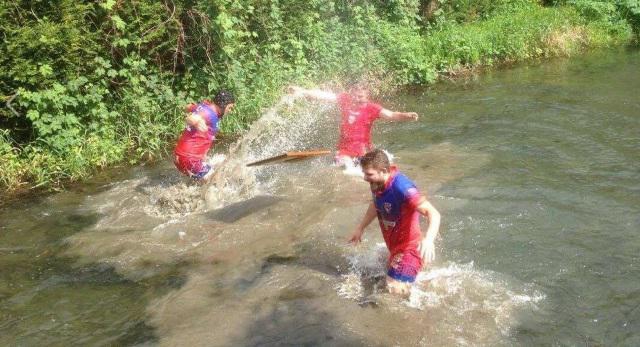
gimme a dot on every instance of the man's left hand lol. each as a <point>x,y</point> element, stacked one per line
<point>427,251</point>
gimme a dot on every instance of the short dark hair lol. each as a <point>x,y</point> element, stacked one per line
<point>376,159</point>
<point>224,98</point>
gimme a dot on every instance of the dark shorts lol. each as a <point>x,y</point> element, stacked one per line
<point>404,266</point>
<point>194,168</point>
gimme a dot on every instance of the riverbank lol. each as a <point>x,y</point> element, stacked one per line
<point>85,101</point>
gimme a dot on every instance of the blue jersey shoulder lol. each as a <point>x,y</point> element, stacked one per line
<point>404,185</point>
<point>212,116</point>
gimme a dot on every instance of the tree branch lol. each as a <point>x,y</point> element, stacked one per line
<point>11,107</point>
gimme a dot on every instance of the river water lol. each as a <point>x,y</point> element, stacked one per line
<point>535,170</point>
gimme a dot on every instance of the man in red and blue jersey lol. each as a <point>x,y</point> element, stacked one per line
<point>358,115</point>
<point>398,205</point>
<point>199,135</point>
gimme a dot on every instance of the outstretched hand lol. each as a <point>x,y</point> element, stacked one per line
<point>412,115</point>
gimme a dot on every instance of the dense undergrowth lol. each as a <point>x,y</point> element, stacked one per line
<point>87,84</point>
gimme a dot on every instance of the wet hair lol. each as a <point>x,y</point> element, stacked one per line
<point>376,159</point>
<point>223,98</point>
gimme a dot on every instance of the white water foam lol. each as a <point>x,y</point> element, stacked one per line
<point>457,291</point>
<point>363,267</point>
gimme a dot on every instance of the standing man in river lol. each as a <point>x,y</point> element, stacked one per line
<point>199,135</point>
<point>398,205</point>
<point>358,114</point>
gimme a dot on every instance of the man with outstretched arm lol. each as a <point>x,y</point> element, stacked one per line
<point>398,205</point>
<point>199,135</point>
<point>358,114</point>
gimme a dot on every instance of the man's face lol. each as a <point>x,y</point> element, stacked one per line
<point>375,177</point>
<point>360,96</point>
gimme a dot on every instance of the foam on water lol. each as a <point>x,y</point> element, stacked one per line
<point>365,270</point>
<point>484,301</point>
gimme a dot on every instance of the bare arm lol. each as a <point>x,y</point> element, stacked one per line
<point>195,120</point>
<point>369,216</point>
<point>392,115</point>
<point>313,93</point>
<point>427,247</point>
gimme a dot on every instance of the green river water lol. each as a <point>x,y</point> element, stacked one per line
<point>535,170</point>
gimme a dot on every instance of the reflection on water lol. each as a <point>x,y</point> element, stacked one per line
<point>535,171</point>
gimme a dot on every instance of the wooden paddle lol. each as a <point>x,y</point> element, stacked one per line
<point>291,156</point>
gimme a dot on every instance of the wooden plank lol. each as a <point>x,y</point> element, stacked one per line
<point>291,156</point>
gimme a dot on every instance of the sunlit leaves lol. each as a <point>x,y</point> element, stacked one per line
<point>108,4</point>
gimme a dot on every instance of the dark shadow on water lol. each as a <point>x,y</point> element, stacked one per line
<point>296,323</point>
<point>239,210</point>
<point>297,316</point>
<point>302,256</point>
<point>71,224</point>
<point>268,263</point>
<point>139,335</point>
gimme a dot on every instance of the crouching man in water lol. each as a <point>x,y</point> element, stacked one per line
<point>199,135</point>
<point>398,205</point>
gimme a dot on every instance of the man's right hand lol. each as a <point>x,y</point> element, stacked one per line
<point>356,237</point>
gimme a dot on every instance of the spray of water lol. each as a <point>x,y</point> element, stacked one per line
<point>479,301</point>
<point>283,127</point>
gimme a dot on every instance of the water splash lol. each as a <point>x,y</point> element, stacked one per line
<point>283,127</point>
<point>481,301</point>
<point>365,271</point>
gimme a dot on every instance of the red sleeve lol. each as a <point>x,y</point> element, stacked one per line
<point>415,200</point>
<point>374,110</point>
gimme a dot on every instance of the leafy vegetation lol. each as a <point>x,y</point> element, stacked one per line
<point>88,84</point>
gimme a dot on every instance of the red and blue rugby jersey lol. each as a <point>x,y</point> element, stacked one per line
<point>397,214</point>
<point>193,143</point>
